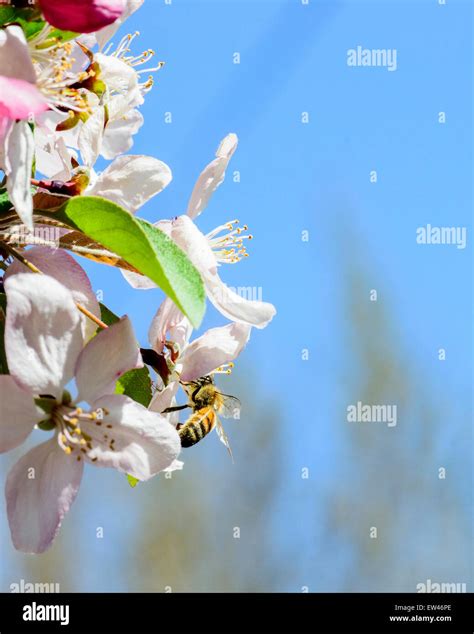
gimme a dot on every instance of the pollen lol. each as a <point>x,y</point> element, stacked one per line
<point>227,242</point>
<point>77,430</point>
<point>226,368</point>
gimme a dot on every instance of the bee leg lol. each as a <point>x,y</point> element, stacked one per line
<point>177,408</point>
<point>178,426</point>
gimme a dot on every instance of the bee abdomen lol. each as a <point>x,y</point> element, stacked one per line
<point>195,428</point>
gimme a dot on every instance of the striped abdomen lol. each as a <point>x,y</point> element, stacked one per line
<point>197,426</point>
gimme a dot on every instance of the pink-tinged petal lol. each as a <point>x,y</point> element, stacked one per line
<point>18,414</point>
<point>131,181</point>
<point>43,333</point>
<point>40,489</point>
<point>213,349</point>
<point>170,324</point>
<point>139,442</point>
<point>212,176</point>
<point>20,99</point>
<point>235,307</point>
<point>140,282</point>
<point>15,59</point>
<point>194,243</point>
<point>82,16</point>
<point>164,398</point>
<point>64,268</point>
<point>107,33</point>
<point>106,357</point>
<point>20,154</point>
<point>5,125</point>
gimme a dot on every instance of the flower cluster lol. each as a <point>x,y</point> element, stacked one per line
<point>68,365</point>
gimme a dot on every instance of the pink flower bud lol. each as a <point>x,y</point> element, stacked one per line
<point>81,16</point>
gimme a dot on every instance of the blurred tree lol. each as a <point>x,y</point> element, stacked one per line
<point>388,477</point>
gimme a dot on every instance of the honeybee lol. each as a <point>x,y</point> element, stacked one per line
<point>207,402</point>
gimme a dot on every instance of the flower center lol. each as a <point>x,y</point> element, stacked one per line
<point>123,54</point>
<point>57,81</point>
<point>73,439</point>
<point>229,247</point>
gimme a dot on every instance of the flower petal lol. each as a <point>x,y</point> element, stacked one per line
<point>40,489</point>
<point>194,243</point>
<point>187,236</point>
<point>164,398</point>
<point>20,153</point>
<point>139,442</point>
<point>18,414</point>
<point>130,181</point>
<point>118,136</point>
<point>212,176</point>
<point>107,33</point>
<point>90,137</point>
<point>140,282</point>
<point>119,77</point>
<point>53,159</point>
<point>64,268</point>
<point>19,99</point>
<point>169,320</point>
<point>235,307</point>
<point>43,334</point>
<point>214,348</point>
<point>15,59</point>
<point>82,16</point>
<point>177,465</point>
<point>5,126</point>
<point>106,357</point>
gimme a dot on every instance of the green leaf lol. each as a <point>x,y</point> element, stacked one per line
<point>3,356</point>
<point>7,14</point>
<point>142,245</point>
<point>107,316</point>
<point>56,36</point>
<point>137,385</point>
<point>29,18</point>
<point>132,481</point>
<point>5,204</point>
<point>46,425</point>
<point>46,404</point>
<point>31,28</point>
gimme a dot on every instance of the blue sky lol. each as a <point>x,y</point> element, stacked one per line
<point>314,176</point>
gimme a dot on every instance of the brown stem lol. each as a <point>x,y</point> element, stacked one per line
<point>92,317</point>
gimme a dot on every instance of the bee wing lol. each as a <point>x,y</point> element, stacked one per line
<point>230,407</point>
<point>223,437</point>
